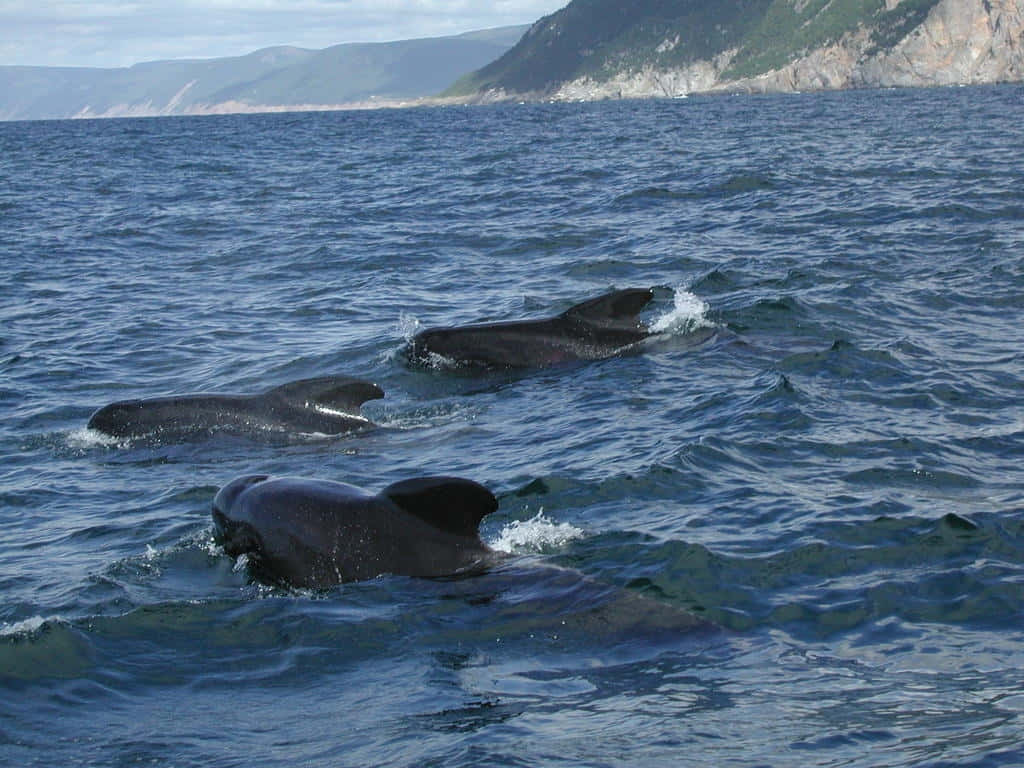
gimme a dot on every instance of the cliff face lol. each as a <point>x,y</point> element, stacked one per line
<point>783,45</point>
<point>959,42</point>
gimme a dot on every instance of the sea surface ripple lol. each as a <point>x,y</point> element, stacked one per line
<point>820,456</point>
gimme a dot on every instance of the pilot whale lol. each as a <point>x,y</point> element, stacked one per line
<point>594,329</point>
<point>318,533</point>
<point>327,405</point>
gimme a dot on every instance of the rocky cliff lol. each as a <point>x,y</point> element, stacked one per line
<point>663,48</point>
<point>959,42</point>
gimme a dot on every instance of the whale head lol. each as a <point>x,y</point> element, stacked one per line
<point>237,537</point>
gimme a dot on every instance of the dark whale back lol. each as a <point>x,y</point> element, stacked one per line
<point>326,404</point>
<point>594,329</point>
<point>617,310</point>
<point>448,503</point>
<point>317,533</point>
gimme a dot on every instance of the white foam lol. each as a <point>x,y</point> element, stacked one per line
<point>25,626</point>
<point>207,542</point>
<point>534,535</point>
<point>408,327</point>
<point>688,313</point>
<point>441,363</point>
<point>91,438</point>
<point>429,416</point>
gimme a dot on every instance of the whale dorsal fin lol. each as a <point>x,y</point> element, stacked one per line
<point>448,503</point>
<point>337,393</point>
<point>612,308</point>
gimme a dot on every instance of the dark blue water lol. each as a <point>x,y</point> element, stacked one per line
<point>822,455</point>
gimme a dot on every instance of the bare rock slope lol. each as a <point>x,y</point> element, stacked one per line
<point>765,45</point>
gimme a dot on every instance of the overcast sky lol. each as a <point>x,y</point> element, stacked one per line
<point>116,33</point>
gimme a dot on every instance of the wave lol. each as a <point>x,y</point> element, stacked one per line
<point>26,627</point>
<point>37,648</point>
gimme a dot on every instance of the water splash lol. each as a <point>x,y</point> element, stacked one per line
<point>534,535</point>
<point>688,313</point>
<point>408,325</point>
<point>428,416</point>
<point>439,362</point>
<point>84,437</point>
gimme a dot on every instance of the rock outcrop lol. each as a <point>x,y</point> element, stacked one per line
<point>955,42</point>
<point>960,42</point>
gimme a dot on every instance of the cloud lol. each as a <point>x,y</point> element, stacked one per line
<point>115,33</point>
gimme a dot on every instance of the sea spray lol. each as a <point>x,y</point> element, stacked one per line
<point>86,438</point>
<point>535,535</point>
<point>408,325</point>
<point>688,313</point>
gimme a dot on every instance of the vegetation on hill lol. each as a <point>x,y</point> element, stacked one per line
<point>600,39</point>
<point>793,28</point>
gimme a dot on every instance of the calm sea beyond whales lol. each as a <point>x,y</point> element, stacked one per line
<point>702,441</point>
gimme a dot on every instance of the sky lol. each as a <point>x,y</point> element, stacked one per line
<point>119,33</point>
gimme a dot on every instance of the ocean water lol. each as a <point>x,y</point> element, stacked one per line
<point>788,532</point>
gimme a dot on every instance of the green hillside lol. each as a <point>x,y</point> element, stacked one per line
<point>603,38</point>
<point>792,29</point>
